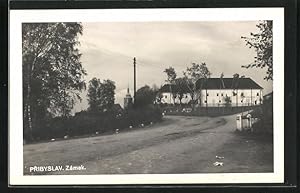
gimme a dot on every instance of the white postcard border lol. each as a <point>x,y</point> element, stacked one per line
<point>17,17</point>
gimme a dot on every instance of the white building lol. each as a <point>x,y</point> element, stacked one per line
<point>214,92</point>
<point>168,98</point>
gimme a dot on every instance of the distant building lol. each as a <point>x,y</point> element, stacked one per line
<point>218,92</point>
<point>128,100</point>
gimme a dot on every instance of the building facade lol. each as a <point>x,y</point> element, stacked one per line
<point>214,92</point>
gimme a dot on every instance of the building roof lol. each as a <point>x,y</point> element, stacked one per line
<point>175,88</point>
<point>216,83</point>
<point>227,83</point>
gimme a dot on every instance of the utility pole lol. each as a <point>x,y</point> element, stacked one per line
<point>134,79</point>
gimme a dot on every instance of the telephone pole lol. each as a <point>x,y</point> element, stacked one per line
<point>134,80</point>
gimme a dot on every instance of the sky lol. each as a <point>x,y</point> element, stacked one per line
<point>108,49</point>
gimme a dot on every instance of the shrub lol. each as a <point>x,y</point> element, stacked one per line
<point>265,115</point>
<point>86,123</point>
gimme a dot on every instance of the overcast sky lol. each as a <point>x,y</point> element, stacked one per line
<point>108,50</point>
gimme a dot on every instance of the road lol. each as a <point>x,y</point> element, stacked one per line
<point>179,144</point>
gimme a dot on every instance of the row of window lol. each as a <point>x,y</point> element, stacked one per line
<point>234,94</point>
<point>242,94</point>
<point>255,102</point>
<point>166,96</point>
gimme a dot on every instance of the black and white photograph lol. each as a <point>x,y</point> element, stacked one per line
<point>147,97</point>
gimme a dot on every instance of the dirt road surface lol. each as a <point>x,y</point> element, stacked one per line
<point>179,144</point>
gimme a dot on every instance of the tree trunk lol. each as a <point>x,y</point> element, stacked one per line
<point>180,103</point>
<point>251,98</point>
<point>206,98</point>
<point>200,97</point>
<point>170,88</point>
<point>237,97</point>
<point>28,104</point>
<point>193,100</point>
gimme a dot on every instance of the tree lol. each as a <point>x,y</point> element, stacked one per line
<point>262,42</point>
<point>145,96</point>
<point>101,95</point>
<point>52,71</point>
<point>171,76</point>
<point>227,101</point>
<point>192,75</point>
<point>93,98</point>
<point>107,94</point>
<point>235,85</point>
<point>181,88</point>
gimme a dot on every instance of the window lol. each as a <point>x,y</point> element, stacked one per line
<point>242,94</point>
<point>207,94</point>
<point>255,102</point>
<point>257,94</point>
<point>166,96</point>
<point>217,94</point>
<point>205,101</point>
<point>219,101</point>
<point>241,101</point>
<point>186,96</point>
<point>222,94</point>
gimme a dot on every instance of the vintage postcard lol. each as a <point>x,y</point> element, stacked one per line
<point>146,96</point>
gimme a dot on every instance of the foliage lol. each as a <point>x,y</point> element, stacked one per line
<point>88,123</point>
<point>262,42</point>
<point>193,74</point>
<point>93,98</point>
<point>227,101</point>
<point>52,71</point>
<point>221,79</point>
<point>145,96</point>
<point>235,81</point>
<point>197,71</point>
<point>145,115</point>
<point>171,76</point>
<point>265,117</point>
<point>181,86</point>
<point>101,95</point>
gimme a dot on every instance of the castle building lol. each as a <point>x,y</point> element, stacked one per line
<point>128,100</point>
<point>218,92</point>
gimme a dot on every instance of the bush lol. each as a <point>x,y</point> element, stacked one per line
<point>86,123</point>
<point>265,115</point>
<point>144,115</point>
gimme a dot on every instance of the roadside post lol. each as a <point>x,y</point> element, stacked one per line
<point>249,120</point>
<point>239,125</point>
<point>244,122</point>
